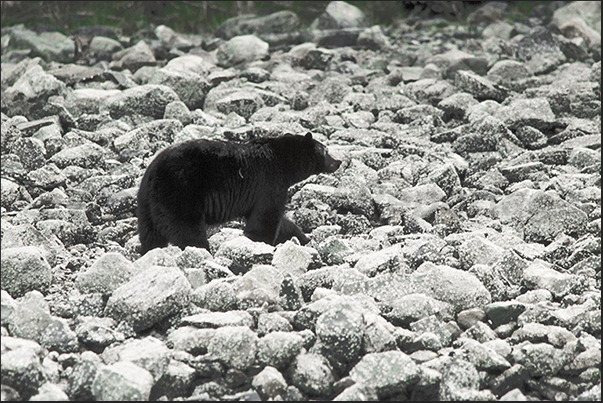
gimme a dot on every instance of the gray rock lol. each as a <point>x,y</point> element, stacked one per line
<point>134,57</point>
<point>269,383</point>
<point>429,328</point>
<point>535,112</point>
<point>293,259</point>
<point>98,333</point>
<point>73,73</point>
<point>275,23</point>
<point>506,71</point>
<point>312,374</point>
<point>105,275</point>
<point>190,87</point>
<point>457,105</point>
<point>460,381</point>
<point>483,357</point>
<point>480,332</point>
<point>340,14</point>
<point>190,339</point>
<point>149,297</point>
<point>25,269</point>
<point>87,155</point>
<point>460,289</point>
<point>536,333</point>
<point>144,135</point>
<point>373,38</point>
<point>50,392</point>
<point>413,113</point>
<point>217,295</point>
<point>234,346</point>
<point>123,380</point>
<point>456,60</point>
<point>31,152</point>
<point>148,353</point>
<point>540,51</point>
<point>334,251</point>
<point>27,235</point>
<point>57,336</point>
<point>278,349</point>
<point>357,392</point>
<point>145,100</point>
<point>51,46</point>
<point>389,372</point>
<point>178,110</point>
<point>48,177</point>
<point>243,103</point>
<point>21,367</point>
<point>341,333</point>
<point>539,274</point>
<point>103,45</point>
<point>539,359</point>
<point>580,20</point>
<point>523,171</point>
<point>11,192</point>
<point>387,259</point>
<point>531,137</point>
<point>508,381</point>
<point>583,157</point>
<point>241,49</point>
<point>478,250</point>
<point>412,307</point>
<point>429,90</point>
<point>470,317</point>
<point>259,286</point>
<point>87,100</point>
<point>272,322</point>
<point>219,319</point>
<point>541,216</point>
<point>177,380</point>
<point>378,334</point>
<point>243,253</point>
<point>481,88</point>
<point>8,307</point>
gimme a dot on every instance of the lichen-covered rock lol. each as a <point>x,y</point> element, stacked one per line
<point>146,100</point>
<point>149,297</point>
<point>123,380</point>
<point>312,374</point>
<point>234,346</point>
<point>389,372</point>
<point>241,49</point>
<point>25,269</point>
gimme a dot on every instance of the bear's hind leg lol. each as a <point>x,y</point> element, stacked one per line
<point>149,237</point>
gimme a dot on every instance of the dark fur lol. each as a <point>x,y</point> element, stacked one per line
<point>201,182</point>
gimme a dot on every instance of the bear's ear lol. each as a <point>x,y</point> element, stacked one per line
<point>308,136</point>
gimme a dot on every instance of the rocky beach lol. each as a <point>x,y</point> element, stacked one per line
<point>454,255</point>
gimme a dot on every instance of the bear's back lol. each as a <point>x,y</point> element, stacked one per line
<point>223,180</point>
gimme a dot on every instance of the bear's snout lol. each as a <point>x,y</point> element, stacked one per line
<point>331,164</point>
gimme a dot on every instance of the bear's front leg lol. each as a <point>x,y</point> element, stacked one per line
<point>262,225</point>
<point>288,230</point>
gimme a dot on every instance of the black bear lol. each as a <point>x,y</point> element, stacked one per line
<point>201,182</point>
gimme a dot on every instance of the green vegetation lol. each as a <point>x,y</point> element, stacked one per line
<point>205,16</point>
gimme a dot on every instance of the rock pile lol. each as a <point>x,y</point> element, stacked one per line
<point>455,255</point>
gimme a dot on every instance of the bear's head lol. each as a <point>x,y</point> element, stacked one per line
<point>324,162</point>
<point>302,156</point>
